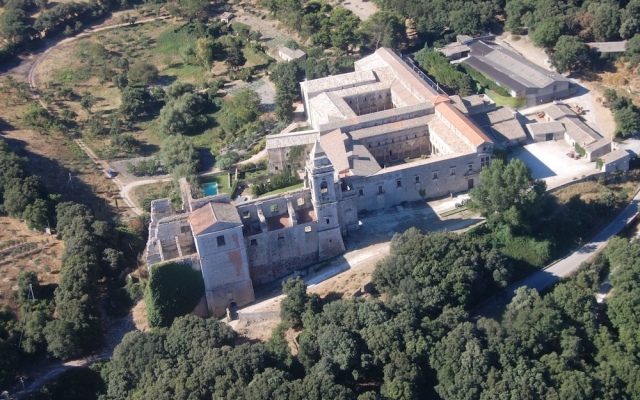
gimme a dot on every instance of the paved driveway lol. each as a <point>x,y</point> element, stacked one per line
<point>563,267</point>
<point>549,161</point>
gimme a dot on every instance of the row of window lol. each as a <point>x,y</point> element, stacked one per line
<point>274,207</point>
<point>434,176</point>
<point>415,136</point>
<point>307,229</point>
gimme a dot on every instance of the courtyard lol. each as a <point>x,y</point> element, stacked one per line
<point>549,161</point>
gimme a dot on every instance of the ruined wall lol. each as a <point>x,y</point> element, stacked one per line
<point>280,234</point>
<point>279,157</point>
<point>273,255</point>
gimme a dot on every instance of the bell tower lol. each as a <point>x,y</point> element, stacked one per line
<point>320,179</point>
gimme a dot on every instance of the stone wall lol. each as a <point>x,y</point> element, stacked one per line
<point>438,177</point>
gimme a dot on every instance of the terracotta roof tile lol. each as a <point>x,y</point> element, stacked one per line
<point>463,124</point>
<point>210,214</point>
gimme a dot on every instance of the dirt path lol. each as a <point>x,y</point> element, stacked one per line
<point>272,35</point>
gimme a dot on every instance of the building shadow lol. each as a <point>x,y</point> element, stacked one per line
<point>59,179</point>
<point>538,167</point>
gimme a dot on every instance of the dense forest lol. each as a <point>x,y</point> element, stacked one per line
<point>65,322</point>
<point>418,343</point>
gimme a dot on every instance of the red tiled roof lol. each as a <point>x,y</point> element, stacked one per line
<point>463,124</point>
<point>211,213</point>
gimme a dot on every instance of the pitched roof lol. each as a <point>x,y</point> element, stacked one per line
<point>509,68</point>
<point>542,128</point>
<point>210,214</point>
<point>617,154</point>
<point>462,124</point>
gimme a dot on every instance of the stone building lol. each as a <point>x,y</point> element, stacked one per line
<point>379,136</point>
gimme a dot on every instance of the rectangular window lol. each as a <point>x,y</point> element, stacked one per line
<point>254,242</point>
<point>380,189</point>
<point>327,220</point>
<point>220,240</point>
<point>280,236</point>
<point>399,183</point>
<point>246,214</point>
<point>360,192</point>
<point>452,171</point>
<point>274,208</point>
<point>485,161</point>
<point>435,175</point>
<point>470,167</point>
<point>417,179</point>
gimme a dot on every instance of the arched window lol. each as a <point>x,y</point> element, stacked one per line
<point>324,187</point>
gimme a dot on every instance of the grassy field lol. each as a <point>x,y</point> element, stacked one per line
<point>513,102</point>
<point>285,189</point>
<point>145,194</point>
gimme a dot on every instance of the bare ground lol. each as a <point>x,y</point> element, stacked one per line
<point>27,251</point>
<point>362,8</point>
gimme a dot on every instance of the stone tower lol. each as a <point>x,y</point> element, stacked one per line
<point>320,179</point>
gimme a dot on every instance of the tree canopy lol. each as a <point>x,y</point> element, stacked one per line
<point>509,195</point>
<point>174,290</point>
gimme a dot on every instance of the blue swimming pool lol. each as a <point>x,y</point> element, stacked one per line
<point>210,188</point>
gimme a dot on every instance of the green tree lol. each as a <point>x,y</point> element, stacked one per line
<point>246,105</point>
<point>292,306</point>
<point>548,32</point>
<point>142,73</point>
<point>193,9</point>
<point>20,194</point>
<point>461,363</point>
<point>178,150</point>
<point>135,103</point>
<point>234,56</point>
<point>633,49</point>
<point>509,195</point>
<point>606,20</point>
<point>384,28</point>
<point>174,290</point>
<point>344,34</point>
<point>630,20</point>
<point>286,76</point>
<point>570,55</point>
<point>205,51</point>
<point>14,26</point>
<point>36,215</point>
<point>271,384</point>
<point>627,121</point>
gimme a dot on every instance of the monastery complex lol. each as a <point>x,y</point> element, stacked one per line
<point>379,136</point>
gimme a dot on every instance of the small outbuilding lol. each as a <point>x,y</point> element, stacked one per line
<point>288,54</point>
<point>617,160</point>
<point>544,131</point>
<point>226,17</point>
